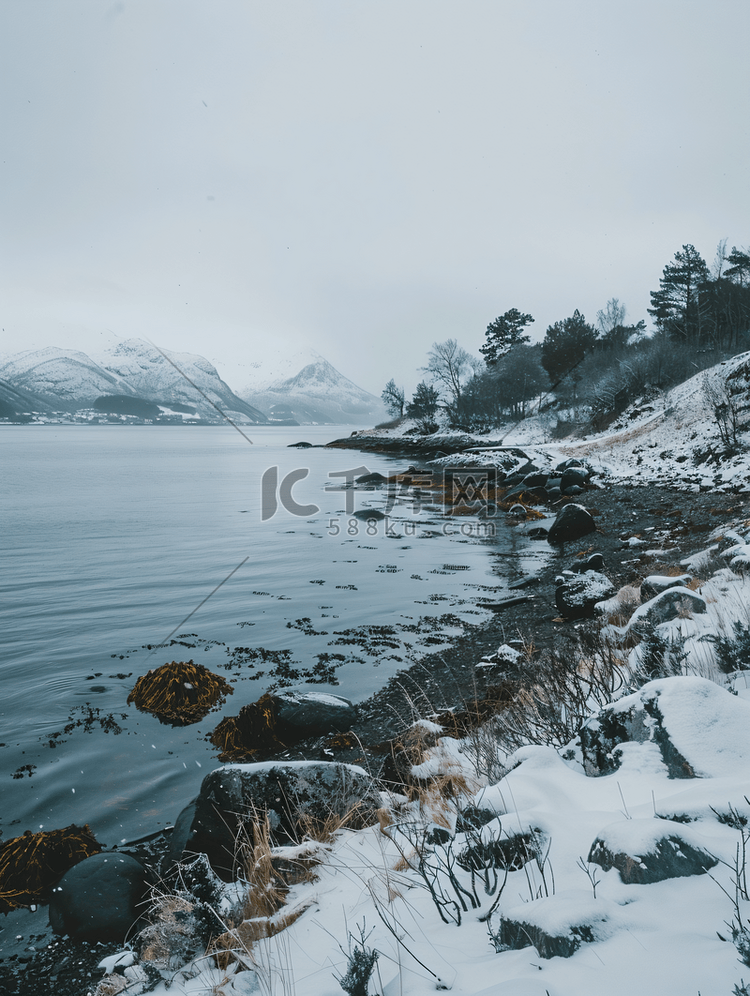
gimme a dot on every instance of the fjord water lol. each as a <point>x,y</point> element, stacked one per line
<point>113,535</point>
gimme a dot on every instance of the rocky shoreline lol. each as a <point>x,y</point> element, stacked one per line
<point>627,519</point>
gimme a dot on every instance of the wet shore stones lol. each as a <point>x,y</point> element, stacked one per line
<point>313,712</point>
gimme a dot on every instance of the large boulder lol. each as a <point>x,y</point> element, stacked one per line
<point>651,850</point>
<point>572,522</point>
<point>100,898</point>
<point>295,796</point>
<point>664,713</point>
<point>312,712</point>
<point>576,598</point>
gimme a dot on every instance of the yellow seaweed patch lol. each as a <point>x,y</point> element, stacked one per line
<point>179,693</point>
<point>32,863</point>
<point>239,737</point>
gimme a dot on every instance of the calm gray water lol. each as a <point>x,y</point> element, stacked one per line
<point>112,535</point>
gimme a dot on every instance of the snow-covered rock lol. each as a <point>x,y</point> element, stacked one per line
<point>700,729</point>
<point>557,925</point>
<point>653,850</point>
<point>577,598</point>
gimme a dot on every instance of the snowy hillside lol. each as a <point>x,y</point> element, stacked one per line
<point>70,380</point>
<point>65,376</point>
<point>614,864</point>
<point>695,435</point>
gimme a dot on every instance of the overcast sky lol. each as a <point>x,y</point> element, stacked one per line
<point>365,177</point>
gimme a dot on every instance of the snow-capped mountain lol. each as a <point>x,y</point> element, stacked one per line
<point>316,393</point>
<point>67,379</point>
<point>173,377</point>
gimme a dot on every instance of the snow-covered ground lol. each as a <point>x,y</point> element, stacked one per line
<point>670,937</point>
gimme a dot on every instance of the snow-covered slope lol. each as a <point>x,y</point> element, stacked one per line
<point>68,379</point>
<point>65,376</point>
<point>318,393</point>
<point>677,437</point>
<point>170,376</point>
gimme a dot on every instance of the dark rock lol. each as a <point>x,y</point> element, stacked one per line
<point>654,714</point>
<point>474,817</point>
<point>577,598</point>
<point>537,533</point>
<point>573,477</point>
<point>656,584</point>
<point>302,445</point>
<point>530,579</point>
<point>291,793</point>
<point>535,480</point>
<point>313,712</point>
<point>371,479</point>
<point>666,605</point>
<point>100,898</point>
<point>369,513</point>
<point>572,522</point>
<point>506,603</point>
<point>593,563</point>
<point>492,851</point>
<point>650,850</point>
<point>179,837</point>
<point>565,464</point>
<point>585,920</point>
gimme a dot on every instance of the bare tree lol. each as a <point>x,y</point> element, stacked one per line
<point>449,364</point>
<point>612,316</point>
<point>393,399</point>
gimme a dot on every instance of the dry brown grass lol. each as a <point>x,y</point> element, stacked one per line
<point>268,873</point>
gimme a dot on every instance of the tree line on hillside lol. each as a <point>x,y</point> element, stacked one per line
<point>700,314</point>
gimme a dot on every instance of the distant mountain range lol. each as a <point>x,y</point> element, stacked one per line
<point>182,385</point>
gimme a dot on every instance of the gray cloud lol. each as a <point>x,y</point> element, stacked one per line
<point>364,177</point>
